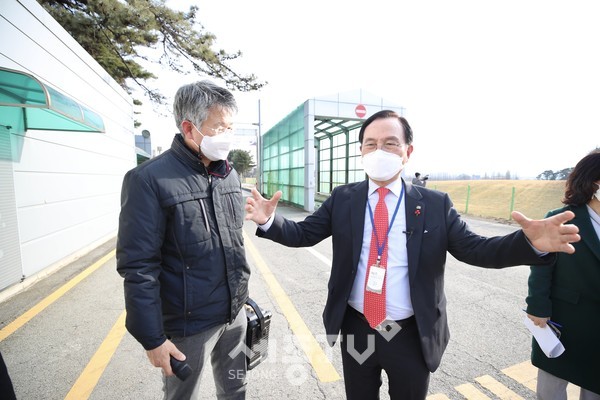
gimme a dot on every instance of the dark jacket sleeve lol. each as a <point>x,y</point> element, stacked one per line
<point>538,299</point>
<point>306,233</point>
<point>540,284</point>
<point>141,232</point>
<point>489,252</point>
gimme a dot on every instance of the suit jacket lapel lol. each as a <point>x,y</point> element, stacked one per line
<point>358,204</point>
<point>415,221</point>
<point>586,229</point>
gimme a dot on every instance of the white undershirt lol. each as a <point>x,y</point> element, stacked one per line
<point>398,304</point>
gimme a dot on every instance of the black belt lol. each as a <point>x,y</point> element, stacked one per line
<point>386,325</point>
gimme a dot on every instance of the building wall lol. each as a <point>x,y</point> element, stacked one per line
<point>66,184</point>
<point>144,143</point>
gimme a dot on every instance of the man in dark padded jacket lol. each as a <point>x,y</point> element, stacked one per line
<point>180,248</point>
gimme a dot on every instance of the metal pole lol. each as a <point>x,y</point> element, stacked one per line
<point>468,195</point>
<point>512,204</point>
<point>258,154</point>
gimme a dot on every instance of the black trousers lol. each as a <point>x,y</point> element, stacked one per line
<point>366,352</point>
<point>7,391</point>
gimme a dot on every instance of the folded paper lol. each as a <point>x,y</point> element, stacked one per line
<point>545,338</point>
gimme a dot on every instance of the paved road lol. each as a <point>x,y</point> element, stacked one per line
<point>63,338</point>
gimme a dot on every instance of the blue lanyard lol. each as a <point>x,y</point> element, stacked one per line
<point>380,248</point>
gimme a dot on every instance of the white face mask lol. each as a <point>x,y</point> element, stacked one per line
<point>215,147</point>
<point>597,194</point>
<point>381,165</point>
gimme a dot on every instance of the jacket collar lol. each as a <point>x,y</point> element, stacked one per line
<point>358,204</point>
<point>586,229</point>
<point>219,169</point>
<point>395,187</point>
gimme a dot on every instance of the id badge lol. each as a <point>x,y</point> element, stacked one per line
<point>376,279</point>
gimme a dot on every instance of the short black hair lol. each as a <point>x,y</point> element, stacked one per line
<point>408,134</point>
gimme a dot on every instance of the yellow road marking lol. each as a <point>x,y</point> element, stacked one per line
<point>497,388</point>
<point>524,373</point>
<point>573,392</point>
<point>87,381</point>
<point>471,392</point>
<point>438,396</point>
<point>324,369</point>
<point>39,307</point>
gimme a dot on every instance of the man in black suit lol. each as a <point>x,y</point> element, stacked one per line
<point>407,333</point>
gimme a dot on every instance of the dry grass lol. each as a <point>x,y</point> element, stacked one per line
<point>492,198</point>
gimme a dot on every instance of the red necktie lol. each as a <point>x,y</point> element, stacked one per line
<point>374,308</point>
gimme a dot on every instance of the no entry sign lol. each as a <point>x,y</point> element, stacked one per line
<point>360,111</point>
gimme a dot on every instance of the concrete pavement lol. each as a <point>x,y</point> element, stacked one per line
<point>63,338</point>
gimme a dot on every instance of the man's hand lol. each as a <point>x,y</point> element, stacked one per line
<point>161,356</point>
<point>259,209</point>
<point>550,234</point>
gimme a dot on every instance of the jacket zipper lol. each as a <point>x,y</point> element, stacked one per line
<point>205,216</point>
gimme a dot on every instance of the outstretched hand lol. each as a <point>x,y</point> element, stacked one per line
<point>550,234</point>
<point>259,209</point>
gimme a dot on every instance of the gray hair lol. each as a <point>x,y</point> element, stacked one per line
<point>192,102</point>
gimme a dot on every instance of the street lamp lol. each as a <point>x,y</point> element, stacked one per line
<point>258,145</point>
<point>258,153</point>
<point>146,135</point>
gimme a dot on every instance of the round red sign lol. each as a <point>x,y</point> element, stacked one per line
<point>360,111</point>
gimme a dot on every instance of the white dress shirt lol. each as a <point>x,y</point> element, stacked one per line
<point>398,304</point>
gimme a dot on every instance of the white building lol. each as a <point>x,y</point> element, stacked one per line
<point>66,141</point>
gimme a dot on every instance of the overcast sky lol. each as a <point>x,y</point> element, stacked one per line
<point>488,86</point>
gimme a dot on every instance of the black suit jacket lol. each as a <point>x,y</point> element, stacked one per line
<point>434,227</point>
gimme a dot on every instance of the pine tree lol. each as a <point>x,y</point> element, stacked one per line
<point>118,34</point>
<point>241,161</point>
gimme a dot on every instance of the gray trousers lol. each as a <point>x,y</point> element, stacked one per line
<point>229,371</point>
<point>550,387</point>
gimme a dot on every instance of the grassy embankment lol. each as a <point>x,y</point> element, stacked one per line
<point>492,198</point>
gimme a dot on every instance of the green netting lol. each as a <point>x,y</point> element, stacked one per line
<point>338,160</point>
<point>283,158</point>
